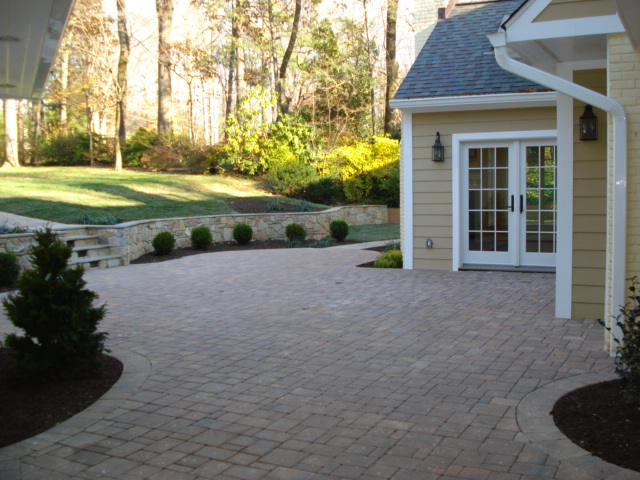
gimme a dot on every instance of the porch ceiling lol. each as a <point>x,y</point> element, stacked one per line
<point>548,32</point>
<point>30,33</point>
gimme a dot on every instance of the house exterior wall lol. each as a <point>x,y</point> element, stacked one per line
<point>624,86</point>
<point>432,182</point>
<point>589,207</point>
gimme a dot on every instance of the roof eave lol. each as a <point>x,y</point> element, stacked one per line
<point>475,102</point>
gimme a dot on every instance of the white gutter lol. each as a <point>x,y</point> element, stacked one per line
<point>618,254</point>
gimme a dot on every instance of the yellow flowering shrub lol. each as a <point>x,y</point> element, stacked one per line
<point>363,165</point>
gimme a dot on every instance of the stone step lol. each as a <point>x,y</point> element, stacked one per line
<point>80,240</point>
<point>105,261</point>
<point>86,251</point>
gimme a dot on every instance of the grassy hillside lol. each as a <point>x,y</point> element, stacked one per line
<point>63,194</point>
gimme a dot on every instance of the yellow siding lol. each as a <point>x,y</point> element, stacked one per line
<point>432,182</point>
<point>589,207</point>
<point>624,86</point>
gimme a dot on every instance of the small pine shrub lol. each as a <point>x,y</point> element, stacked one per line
<point>9,269</point>
<point>242,233</point>
<point>390,259</point>
<point>291,179</point>
<point>201,238</point>
<point>294,244</point>
<point>305,206</point>
<point>627,362</point>
<point>273,206</point>
<point>321,244</point>
<point>295,232</point>
<point>56,314</point>
<point>163,243</point>
<point>339,230</point>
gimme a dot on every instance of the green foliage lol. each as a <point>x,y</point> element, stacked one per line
<point>163,243</point>
<point>138,144</point>
<point>201,237</point>
<point>255,146</point>
<point>273,206</point>
<point>364,166</point>
<point>339,230</point>
<point>87,219</point>
<point>55,312</point>
<point>9,269</point>
<point>389,259</point>
<point>321,244</point>
<point>291,179</point>
<point>72,148</point>
<point>295,232</point>
<point>393,245</point>
<point>627,363</point>
<point>326,190</point>
<point>242,233</point>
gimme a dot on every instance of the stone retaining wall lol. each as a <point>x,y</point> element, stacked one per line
<point>131,240</point>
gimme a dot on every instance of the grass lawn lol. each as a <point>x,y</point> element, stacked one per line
<point>64,194</point>
<point>374,233</point>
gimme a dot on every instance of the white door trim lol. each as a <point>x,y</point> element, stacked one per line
<point>458,139</point>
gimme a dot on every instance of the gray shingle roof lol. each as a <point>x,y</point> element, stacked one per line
<point>458,58</point>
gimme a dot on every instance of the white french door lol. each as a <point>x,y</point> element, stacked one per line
<point>509,203</point>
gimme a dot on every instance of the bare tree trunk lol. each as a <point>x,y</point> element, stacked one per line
<point>164,9</point>
<point>372,93</point>
<point>64,83</point>
<point>36,107</point>
<point>284,106</point>
<point>10,133</point>
<point>232,64</point>
<point>392,66</point>
<point>121,83</point>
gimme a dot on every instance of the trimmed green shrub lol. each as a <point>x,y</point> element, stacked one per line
<point>72,148</point>
<point>9,269</point>
<point>390,259</point>
<point>292,178</point>
<point>163,243</point>
<point>339,230</point>
<point>242,233</point>
<point>56,314</point>
<point>295,232</point>
<point>201,237</point>
<point>627,363</point>
<point>326,190</point>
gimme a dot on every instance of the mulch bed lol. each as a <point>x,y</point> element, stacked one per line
<point>601,421</point>
<point>28,408</point>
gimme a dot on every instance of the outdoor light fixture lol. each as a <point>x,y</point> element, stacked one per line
<point>438,150</point>
<point>588,124</point>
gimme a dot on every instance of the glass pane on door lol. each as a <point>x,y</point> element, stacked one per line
<point>488,195</point>
<point>540,194</point>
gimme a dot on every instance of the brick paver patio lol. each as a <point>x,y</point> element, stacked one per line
<point>296,364</point>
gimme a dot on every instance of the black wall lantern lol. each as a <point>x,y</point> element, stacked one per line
<point>438,150</point>
<point>588,124</point>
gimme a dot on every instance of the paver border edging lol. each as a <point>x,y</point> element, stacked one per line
<point>71,432</point>
<point>533,415</point>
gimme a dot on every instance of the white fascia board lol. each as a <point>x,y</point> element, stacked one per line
<point>574,27</point>
<point>475,102</point>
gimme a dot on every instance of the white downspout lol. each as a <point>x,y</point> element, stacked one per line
<point>618,255</point>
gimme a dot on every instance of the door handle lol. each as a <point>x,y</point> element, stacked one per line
<point>512,206</point>
<point>521,203</point>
